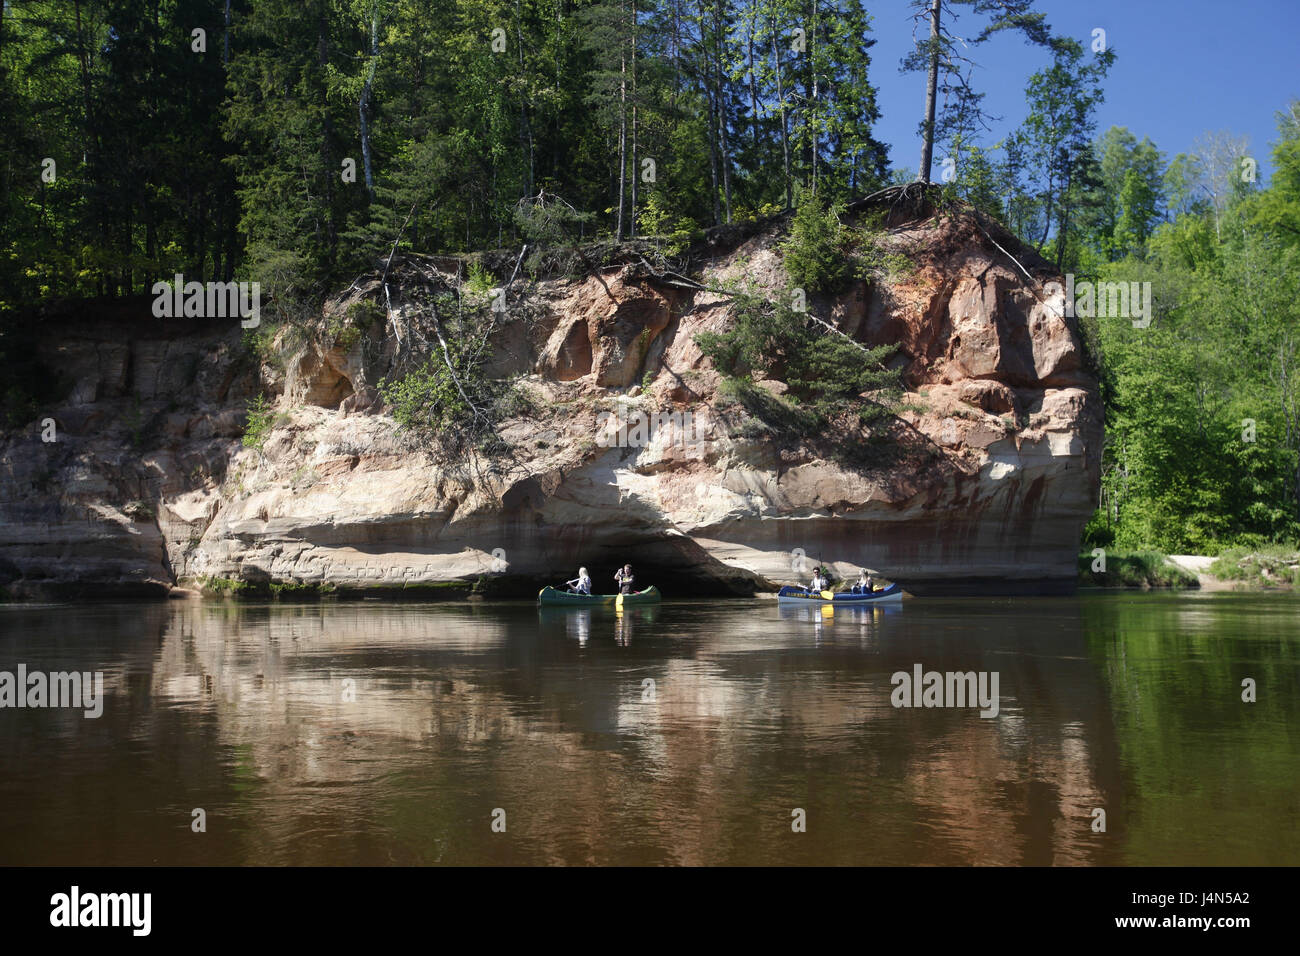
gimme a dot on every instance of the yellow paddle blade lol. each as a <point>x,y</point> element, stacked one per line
<point>618,602</point>
<point>828,595</point>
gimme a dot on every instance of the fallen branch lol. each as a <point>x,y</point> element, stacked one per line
<point>685,283</point>
<point>388,299</point>
<point>595,272</point>
<point>989,237</point>
<point>451,368</point>
<point>1034,285</point>
<point>518,262</point>
<point>674,278</point>
<point>844,335</point>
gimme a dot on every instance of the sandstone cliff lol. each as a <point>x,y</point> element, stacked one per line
<point>147,484</point>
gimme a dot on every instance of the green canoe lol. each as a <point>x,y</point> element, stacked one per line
<point>649,596</point>
<point>553,597</point>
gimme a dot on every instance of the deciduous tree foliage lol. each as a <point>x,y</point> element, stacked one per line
<point>1203,406</point>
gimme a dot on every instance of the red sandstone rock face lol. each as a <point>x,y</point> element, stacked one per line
<point>569,357</point>
<point>999,475</point>
<point>608,328</point>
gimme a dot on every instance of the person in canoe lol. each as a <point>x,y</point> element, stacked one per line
<point>865,585</point>
<point>819,581</point>
<point>623,578</point>
<point>581,584</point>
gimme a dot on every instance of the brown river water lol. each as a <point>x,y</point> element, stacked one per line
<point>379,733</point>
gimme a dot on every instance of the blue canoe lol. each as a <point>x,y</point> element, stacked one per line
<point>796,595</point>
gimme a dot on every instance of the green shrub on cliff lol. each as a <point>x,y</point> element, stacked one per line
<point>429,403</point>
<point>816,254</point>
<point>875,262</point>
<point>480,280</point>
<point>449,402</point>
<point>223,587</point>
<point>262,420</point>
<point>830,379</point>
<point>658,219</point>
<point>426,398</point>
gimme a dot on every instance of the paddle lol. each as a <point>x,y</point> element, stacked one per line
<point>828,595</point>
<point>565,589</point>
<point>571,587</point>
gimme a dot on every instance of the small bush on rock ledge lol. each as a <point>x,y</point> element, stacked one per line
<point>262,420</point>
<point>831,381</point>
<point>816,254</point>
<point>451,411</point>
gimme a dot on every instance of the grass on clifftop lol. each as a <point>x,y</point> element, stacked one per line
<point>1134,569</point>
<point>1269,565</point>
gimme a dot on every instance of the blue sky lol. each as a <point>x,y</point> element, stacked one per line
<point>1182,67</point>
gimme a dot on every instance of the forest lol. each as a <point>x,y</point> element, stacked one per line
<point>295,142</point>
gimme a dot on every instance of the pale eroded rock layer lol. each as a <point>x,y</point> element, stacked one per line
<point>148,486</point>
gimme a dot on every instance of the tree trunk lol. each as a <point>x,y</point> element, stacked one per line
<point>219,216</point>
<point>85,86</point>
<point>127,280</point>
<point>622,139</point>
<point>1063,226</point>
<point>1048,209</point>
<point>720,96</point>
<point>201,253</point>
<point>753,89</point>
<point>815,110</point>
<point>931,90</point>
<point>785,126</point>
<point>1285,378</point>
<point>363,108</point>
<point>327,138</point>
<point>524,118</point>
<point>636,171</point>
<point>222,267</point>
<point>87,136</point>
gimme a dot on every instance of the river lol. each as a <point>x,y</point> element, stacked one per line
<point>694,732</point>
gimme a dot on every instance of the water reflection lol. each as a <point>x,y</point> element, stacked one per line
<point>842,623</point>
<point>677,733</point>
<point>577,623</point>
